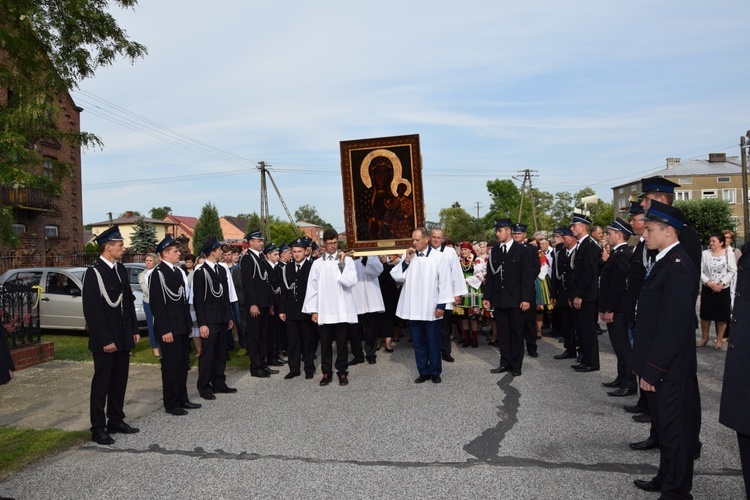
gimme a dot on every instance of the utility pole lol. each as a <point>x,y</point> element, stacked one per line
<point>745,206</point>
<point>265,217</point>
<point>479,205</point>
<point>527,175</point>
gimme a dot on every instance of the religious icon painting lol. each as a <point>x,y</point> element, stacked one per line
<point>383,197</point>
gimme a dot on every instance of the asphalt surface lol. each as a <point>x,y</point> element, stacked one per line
<point>550,433</point>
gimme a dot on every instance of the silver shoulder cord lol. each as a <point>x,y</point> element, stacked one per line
<point>492,267</point>
<point>210,286</point>
<point>103,291</point>
<point>293,287</point>
<point>166,292</point>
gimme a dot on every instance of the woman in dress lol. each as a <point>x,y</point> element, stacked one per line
<point>150,262</point>
<point>718,266</point>
<point>471,307</point>
<point>543,296</point>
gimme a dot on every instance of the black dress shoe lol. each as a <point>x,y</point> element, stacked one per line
<point>622,391</point>
<point>565,355</point>
<point>388,350</point>
<point>436,379</point>
<point>586,369</point>
<point>308,376</point>
<point>189,405</point>
<point>614,383</point>
<point>448,358</point>
<point>642,418</point>
<point>270,371</point>
<point>516,373</point>
<point>276,362</point>
<point>326,379</point>
<point>500,369</point>
<point>648,444</point>
<point>260,374</point>
<point>632,409</point>
<point>343,380</point>
<point>177,411</point>
<point>226,390</point>
<point>534,354</point>
<point>421,379</point>
<point>356,361</point>
<point>649,485</point>
<point>371,360</point>
<point>102,437</point>
<point>122,428</point>
<point>208,395</point>
<point>291,375</point>
<point>577,365</point>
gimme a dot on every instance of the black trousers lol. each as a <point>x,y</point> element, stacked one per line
<point>618,335</point>
<point>327,334</point>
<point>529,328</point>
<point>445,332</point>
<point>256,337</point>
<point>175,357</point>
<point>565,326</point>
<point>368,324</point>
<point>588,339</point>
<point>108,388</point>
<point>677,404</point>
<point>301,342</point>
<point>356,333</point>
<point>274,331</point>
<point>213,360</point>
<point>743,440</point>
<point>510,336</point>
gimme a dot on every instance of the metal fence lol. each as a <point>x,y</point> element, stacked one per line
<point>19,315</point>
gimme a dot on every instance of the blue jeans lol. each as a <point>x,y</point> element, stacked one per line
<point>150,324</point>
<point>425,337</point>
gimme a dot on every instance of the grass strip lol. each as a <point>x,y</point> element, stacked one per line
<point>20,447</point>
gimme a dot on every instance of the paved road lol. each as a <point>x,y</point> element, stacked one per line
<point>551,433</point>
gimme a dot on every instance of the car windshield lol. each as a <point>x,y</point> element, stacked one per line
<point>78,274</point>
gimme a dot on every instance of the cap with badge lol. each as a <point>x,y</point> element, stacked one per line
<point>565,231</point>
<point>314,246</point>
<point>580,219</point>
<point>167,242</point>
<point>502,223</point>
<point>110,234</point>
<point>284,247</point>
<point>657,185</point>
<point>661,212</point>
<point>209,246</point>
<point>270,249</point>
<point>622,226</point>
<point>254,235</point>
<point>300,243</point>
<point>557,231</point>
<point>635,208</point>
<point>518,228</point>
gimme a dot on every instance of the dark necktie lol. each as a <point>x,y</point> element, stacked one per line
<point>298,268</point>
<point>420,254</point>
<point>503,250</point>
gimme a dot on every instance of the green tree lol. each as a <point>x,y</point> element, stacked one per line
<point>160,212</point>
<point>308,213</point>
<point>506,201</point>
<point>144,236</point>
<point>459,225</point>
<point>208,226</point>
<point>46,48</point>
<point>707,216</point>
<point>283,232</point>
<point>603,215</point>
<point>253,220</point>
<point>561,209</point>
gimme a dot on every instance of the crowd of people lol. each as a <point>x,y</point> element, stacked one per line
<point>286,302</point>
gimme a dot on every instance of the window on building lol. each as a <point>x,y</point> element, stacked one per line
<point>708,194</point>
<point>633,188</point>
<point>18,228</point>
<point>728,195</point>
<point>619,191</point>
<point>685,180</point>
<point>682,195</point>
<point>723,179</point>
<point>48,171</point>
<point>51,231</point>
<point>623,204</point>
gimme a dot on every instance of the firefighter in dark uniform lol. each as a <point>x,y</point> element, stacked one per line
<point>613,283</point>
<point>518,231</point>
<point>509,289</point>
<point>214,317</point>
<point>562,276</point>
<point>664,350</point>
<point>113,331</point>
<point>301,339</point>
<point>168,298</point>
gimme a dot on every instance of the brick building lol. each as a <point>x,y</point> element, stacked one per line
<point>183,227</point>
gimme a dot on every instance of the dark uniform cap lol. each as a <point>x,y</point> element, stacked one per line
<point>621,225</point>
<point>565,231</point>
<point>209,246</point>
<point>502,223</point>
<point>557,231</point>
<point>284,247</point>
<point>110,234</point>
<point>166,243</point>
<point>518,228</point>
<point>314,246</point>
<point>657,185</point>
<point>583,219</point>
<point>300,243</point>
<point>254,235</point>
<point>661,212</point>
<point>270,248</point>
<point>635,208</point>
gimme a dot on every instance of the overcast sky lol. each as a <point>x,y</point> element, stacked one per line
<point>584,92</point>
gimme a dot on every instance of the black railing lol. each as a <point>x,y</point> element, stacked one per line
<point>19,314</point>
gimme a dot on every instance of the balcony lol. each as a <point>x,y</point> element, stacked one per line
<point>30,198</point>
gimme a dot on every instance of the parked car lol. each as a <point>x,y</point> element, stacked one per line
<point>61,306</point>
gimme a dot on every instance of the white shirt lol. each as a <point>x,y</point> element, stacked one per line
<point>329,292</point>
<point>458,282</point>
<point>367,295</point>
<point>427,283</point>
<point>230,283</point>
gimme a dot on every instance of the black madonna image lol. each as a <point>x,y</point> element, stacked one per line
<point>383,196</point>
